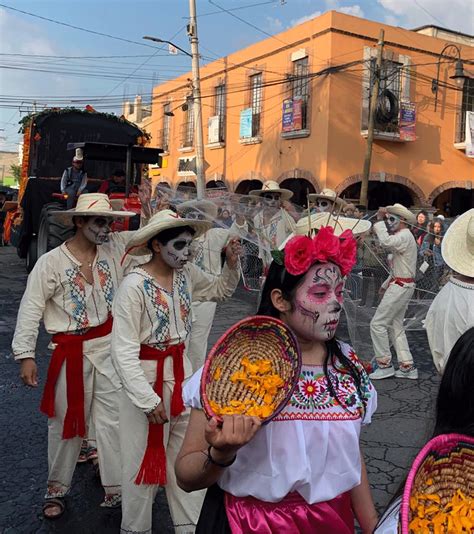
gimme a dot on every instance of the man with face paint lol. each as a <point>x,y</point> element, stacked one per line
<point>273,223</point>
<point>207,255</point>
<point>326,202</point>
<point>152,323</point>
<point>71,288</point>
<point>392,230</point>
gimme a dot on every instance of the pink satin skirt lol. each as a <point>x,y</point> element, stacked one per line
<point>292,515</point>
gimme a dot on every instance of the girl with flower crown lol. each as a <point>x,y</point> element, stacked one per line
<point>303,472</point>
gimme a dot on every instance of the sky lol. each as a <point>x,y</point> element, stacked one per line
<point>81,65</point>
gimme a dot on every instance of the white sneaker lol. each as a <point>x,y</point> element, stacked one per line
<point>380,373</point>
<point>411,372</point>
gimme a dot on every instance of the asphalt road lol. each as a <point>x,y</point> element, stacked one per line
<point>400,426</point>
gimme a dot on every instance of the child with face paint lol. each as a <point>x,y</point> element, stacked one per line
<point>152,323</point>
<point>71,288</point>
<point>387,325</point>
<point>303,471</point>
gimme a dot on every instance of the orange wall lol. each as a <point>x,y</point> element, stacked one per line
<point>335,149</point>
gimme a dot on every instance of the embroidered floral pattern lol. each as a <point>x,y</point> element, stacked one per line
<point>78,297</point>
<point>312,400</point>
<point>161,309</point>
<point>106,282</point>
<point>184,300</point>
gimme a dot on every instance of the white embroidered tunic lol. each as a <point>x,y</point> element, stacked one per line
<point>146,314</point>
<point>311,447</point>
<point>57,292</point>
<point>272,234</point>
<point>451,313</point>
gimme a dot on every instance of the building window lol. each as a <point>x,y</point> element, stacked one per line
<point>467,104</point>
<point>220,110</point>
<point>390,88</point>
<point>187,137</point>
<point>300,87</point>
<point>256,102</point>
<point>165,132</point>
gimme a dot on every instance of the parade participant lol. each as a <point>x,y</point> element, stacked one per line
<point>303,471</point>
<point>74,180</point>
<point>349,210</point>
<point>116,184</point>
<point>430,252</point>
<point>152,321</point>
<point>207,255</point>
<point>394,235</point>
<point>452,311</point>
<point>273,223</point>
<point>71,288</point>
<point>326,202</point>
<point>420,230</point>
<point>455,390</point>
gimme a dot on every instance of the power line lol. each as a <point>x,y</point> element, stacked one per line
<point>237,8</point>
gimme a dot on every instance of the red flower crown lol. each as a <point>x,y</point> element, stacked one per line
<point>303,251</point>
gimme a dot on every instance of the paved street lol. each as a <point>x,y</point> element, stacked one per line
<point>400,426</point>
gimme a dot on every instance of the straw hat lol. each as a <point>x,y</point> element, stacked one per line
<point>401,211</point>
<point>457,247</point>
<point>163,220</point>
<point>205,206</point>
<point>91,205</point>
<point>340,224</point>
<point>270,186</point>
<point>79,155</point>
<point>327,194</point>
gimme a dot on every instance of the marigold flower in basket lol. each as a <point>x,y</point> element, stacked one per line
<point>252,370</point>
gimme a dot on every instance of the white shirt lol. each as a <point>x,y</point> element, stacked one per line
<point>272,234</point>
<point>451,313</point>
<point>58,293</point>
<point>404,251</point>
<point>311,447</point>
<point>146,314</point>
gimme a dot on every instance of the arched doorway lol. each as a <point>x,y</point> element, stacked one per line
<point>245,186</point>
<point>186,189</point>
<point>381,194</point>
<point>300,187</point>
<point>454,201</point>
<point>216,184</point>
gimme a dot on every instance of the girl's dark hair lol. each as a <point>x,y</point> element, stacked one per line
<point>167,235</point>
<point>455,403</point>
<point>279,278</point>
<point>431,233</point>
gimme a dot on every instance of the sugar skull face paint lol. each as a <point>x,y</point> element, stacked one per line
<point>177,252</point>
<point>271,200</point>
<point>322,205</point>
<point>318,303</point>
<point>97,230</point>
<point>392,222</point>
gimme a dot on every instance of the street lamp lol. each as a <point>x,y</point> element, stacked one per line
<point>157,40</point>
<point>459,76</point>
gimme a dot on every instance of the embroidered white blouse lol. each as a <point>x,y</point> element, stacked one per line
<point>57,292</point>
<point>145,313</point>
<point>311,447</point>
<point>272,235</point>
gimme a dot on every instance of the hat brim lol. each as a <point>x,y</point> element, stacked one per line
<point>454,246</point>
<point>403,213</point>
<point>65,217</point>
<point>339,201</point>
<point>205,206</point>
<point>340,225</point>
<point>137,246</point>
<point>286,194</point>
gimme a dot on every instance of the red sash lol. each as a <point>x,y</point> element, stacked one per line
<point>401,281</point>
<point>153,467</point>
<point>70,350</point>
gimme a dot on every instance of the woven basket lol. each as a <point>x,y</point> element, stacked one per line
<point>258,337</point>
<point>448,462</point>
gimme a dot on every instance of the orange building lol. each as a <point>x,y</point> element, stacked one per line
<point>294,108</point>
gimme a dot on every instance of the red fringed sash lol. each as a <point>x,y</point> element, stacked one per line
<point>153,467</point>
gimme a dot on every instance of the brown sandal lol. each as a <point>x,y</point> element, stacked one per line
<point>57,502</point>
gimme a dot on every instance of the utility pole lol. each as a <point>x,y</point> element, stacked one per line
<point>197,105</point>
<point>374,94</point>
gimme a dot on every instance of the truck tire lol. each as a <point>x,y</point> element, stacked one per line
<point>51,232</point>
<point>32,254</point>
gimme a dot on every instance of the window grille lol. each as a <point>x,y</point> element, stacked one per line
<point>187,138</point>
<point>390,91</point>
<point>220,110</point>
<point>165,134</point>
<point>300,86</point>
<point>467,104</point>
<point>256,102</point>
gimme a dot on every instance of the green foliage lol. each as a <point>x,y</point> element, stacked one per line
<point>278,256</point>
<point>15,171</point>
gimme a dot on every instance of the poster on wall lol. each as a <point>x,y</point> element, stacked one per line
<point>407,121</point>
<point>292,117</point>
<point>213,129</point>
<point>470,134</point>
<point>246,123</point>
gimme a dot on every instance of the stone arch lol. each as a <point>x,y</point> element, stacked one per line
<point>453,184</point>
<point>249,176</point>
<point>418,195</point>
<point>300,174</point>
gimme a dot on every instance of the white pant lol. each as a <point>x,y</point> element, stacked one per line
<point>203,317</point>
<point>137,500</point>
<point>387,324</point>
<point>101,400</point>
